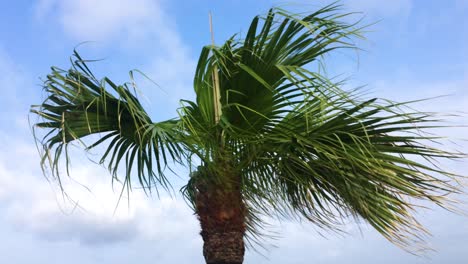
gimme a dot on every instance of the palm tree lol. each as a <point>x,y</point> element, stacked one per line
<point>269,136</point>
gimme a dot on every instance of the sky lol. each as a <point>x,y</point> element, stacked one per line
<point>414,49</point>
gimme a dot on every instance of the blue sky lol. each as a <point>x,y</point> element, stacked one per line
<point>416,50</point>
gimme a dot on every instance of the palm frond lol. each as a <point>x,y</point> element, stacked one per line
<point>79,105</point>
<point>362,159</point>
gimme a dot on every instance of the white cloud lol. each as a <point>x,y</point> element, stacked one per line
<point>449,96</point>
<point>32,205</point>
<point>100,20</point>
<point>381,9</point>
<point>86,215</point>
<point>141,25</point>
<point>13,81</point>
<point>461,4</point>
<point>16,83</point>
<point>44,211</point>
<point>42,8</point>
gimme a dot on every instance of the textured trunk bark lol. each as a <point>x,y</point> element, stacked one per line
<point>221,212</point>
<point>223,247</point>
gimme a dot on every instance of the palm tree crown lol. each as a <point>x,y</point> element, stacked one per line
<point>270,134</point>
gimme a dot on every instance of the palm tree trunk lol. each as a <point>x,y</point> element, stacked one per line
<point>221,212</point>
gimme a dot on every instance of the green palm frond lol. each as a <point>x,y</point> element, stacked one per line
<point>79,105</point>
<point>356,162</point>
<point>256,73</point>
